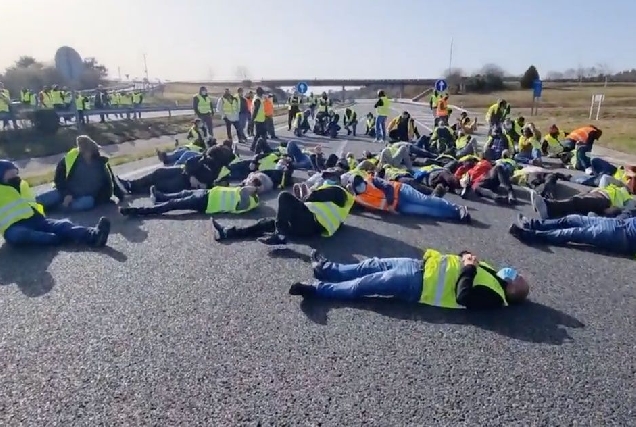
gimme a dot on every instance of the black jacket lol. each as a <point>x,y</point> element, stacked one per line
<point>480,297</point>
<point>105,193</point>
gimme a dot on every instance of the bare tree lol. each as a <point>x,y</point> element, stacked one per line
<point>570,73</point>
<point>242,73</point>
<point>554,75</point>
<point>492,70</point>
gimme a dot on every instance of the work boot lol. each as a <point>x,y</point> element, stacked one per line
<point>464,193</point>
<point>161,155</point>
<point>102,231</point>
<point>153,194</point>
<point>439,191</point>
<point>220,233</point>
<point>273,239</point>
<point>297,191</point>
<point>302,289</point>
<point>522,221</point>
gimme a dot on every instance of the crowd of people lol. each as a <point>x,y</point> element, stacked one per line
<point>59,98</point>
<point>409,175</point>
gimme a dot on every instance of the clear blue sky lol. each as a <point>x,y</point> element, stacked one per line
<point>195,39</point>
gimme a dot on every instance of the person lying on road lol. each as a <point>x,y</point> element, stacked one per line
<point>485,180</point>
<point>197,142</point>
<point>320,214</point>
<point>83,179</point>
<point>615,235</point>
<point>234,200</point>
<point>22,219</point>
<point>396,197</point>
<point>442,280</point>
<point>607,200</point>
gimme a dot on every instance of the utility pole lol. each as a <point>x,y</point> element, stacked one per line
<point>146,68</point>
<point>119,73</point>
<point>450,56</point>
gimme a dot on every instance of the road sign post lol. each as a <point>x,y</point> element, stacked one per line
<point>441,86</point>
<point>537,90</point>
<point>70,66</point>
<point>302,88</point>
<point>598,101</point>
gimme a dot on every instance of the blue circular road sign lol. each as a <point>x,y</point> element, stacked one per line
<point>441,85</point>
<point>302,88</point>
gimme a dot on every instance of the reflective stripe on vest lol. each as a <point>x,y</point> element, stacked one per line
<point>203,105</point>
<point>618,195</point>
<point>16,206</point>
<point>441,272</point>
<point>222,199</point>
<point>328,214</point>
<point>385,109</point>
<point>230,106</point>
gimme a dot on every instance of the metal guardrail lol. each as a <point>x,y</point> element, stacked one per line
<point>21,115</point>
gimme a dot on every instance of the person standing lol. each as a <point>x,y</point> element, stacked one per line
<point>229,107</point>
<point>244,114</point>
<point>258,117</point>
<point>202,106</point>
<point>382,109</point>
<point>293,108</point>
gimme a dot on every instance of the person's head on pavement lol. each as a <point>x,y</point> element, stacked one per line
<point>88,148</point>
<point>517,288</point>
<point>357,185</point>
<point>203,91</point>
<point>9,173</point>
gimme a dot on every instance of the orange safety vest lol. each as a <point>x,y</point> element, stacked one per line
<point>249,104</point>
<point>580,135</point>
<point>374,198</point>
<point>442,108</point>
<point>268,107</point>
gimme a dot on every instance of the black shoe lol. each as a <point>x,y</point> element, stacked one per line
<point>273,239</point>
<point>501,200</point>
<point>512,199</point>
<point>318,261</point>
<point>219,230</point>
<point>464,215</point>
<point>439,191</point>
<point>127,211</point>
<point>302,289</point>
<point>103,231</point>
<point>516,231</point>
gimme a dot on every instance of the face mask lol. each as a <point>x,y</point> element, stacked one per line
<point>204,93</point>
<point>507,274</point>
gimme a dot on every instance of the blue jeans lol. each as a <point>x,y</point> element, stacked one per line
<point>609,234</point>
<point>412,202</point>
<point>602,167</point>
<point>242,122</point>
<point>53,199</point>
<point>180,156</point>
<point>380,128</point>
<point>301,160</point>
<point>39,230</point>
<point>524,158</point>
<point>582,159</point>
<point>400,278</point>
<point>186,200</point>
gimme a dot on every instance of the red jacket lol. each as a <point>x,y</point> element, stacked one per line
<point>476,173</point>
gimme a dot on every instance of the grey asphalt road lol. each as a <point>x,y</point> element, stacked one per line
<point>167,327</point>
